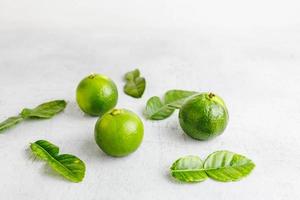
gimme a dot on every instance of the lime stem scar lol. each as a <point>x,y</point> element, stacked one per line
<point>115,112</point>
<point>211,95</point>
<point>92,75</point>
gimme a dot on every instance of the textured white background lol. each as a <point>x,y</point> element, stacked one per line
<point>246,51</point>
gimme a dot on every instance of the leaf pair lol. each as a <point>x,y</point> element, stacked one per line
<point>221,166</point>
<point>156,109</point>
<point>69,166</point>
<point>44,111</point>
<point>135,85</point>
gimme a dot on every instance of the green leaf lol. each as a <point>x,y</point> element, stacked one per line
<point>44,149</point>
<point>45,111</point>
<point>11,121</point>
<point>188,169</point>
<point>156,110</point>
<point>129,76</point>
<point>69,166</point>
<point>227,166</point>
<point>173,99</point>
<point>176,98</point>
<point>135,85</point>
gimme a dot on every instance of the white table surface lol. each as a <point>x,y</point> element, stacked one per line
<point>248,53</point>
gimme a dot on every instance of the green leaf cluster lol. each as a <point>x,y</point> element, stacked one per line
<point>69,166</point>
<point>157,109</point>
<point>135,85</point>
<point>44,111</point>
<point>221,166</point>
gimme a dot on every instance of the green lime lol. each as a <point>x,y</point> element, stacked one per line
<point>96,94</point>
<point>203,116</point>
<point>119,132</point>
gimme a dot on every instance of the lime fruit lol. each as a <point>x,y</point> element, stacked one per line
<point>203,116</point>
<point>119,132</point>
<point>96,94</point>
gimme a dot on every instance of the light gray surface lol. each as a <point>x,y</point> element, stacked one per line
<point>247,53</point>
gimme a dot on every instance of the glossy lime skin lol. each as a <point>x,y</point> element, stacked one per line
<point>119,132</point>
<point>203,116</point>
<point>96,94</point>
